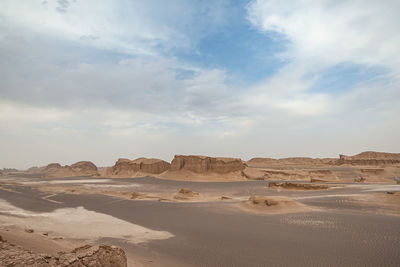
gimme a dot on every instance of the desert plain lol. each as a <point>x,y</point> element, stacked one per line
<point>204,211</point>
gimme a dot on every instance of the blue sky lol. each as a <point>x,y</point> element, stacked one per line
<point>99,80</point>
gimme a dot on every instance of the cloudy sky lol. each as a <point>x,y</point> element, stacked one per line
<point>98,80</point>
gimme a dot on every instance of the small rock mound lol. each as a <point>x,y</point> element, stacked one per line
<point>360,180</point>
<point>185,193</point>
<point>268,201</point>
<point>11,255</point>
<point>273,204</point>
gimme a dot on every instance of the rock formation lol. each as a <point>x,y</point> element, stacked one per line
<point>370,158</point>
<point>288,185</point>
<point>81,168</point>
<point>137,167</point>
<point>290,174</point>
<point>185,194</point>
<point>273,204</point>
<point>11,255</point>
<point>203,164</point>
<point>266,162</point>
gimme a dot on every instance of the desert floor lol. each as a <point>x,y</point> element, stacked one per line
<point>345,225</point>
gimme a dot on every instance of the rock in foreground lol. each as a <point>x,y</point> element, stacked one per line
<point>107,256</point>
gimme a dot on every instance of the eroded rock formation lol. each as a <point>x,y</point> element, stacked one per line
<point>370,158</point>
<point>273,204</point>
<point>81,168</point>
<point>11,255</point>
<point>265,162</point>
<point>296,174</point>
<point>185,193</point>
<point>203,164</point>
<point>288,185</point>
<point>140,166</point>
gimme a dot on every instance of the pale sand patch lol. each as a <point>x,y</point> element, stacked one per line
<point>310,222</point>
<point>78,223</point>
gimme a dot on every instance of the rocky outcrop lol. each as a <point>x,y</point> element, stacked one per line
<point>185,194</point>
<point>11,255</point>
<point>273,204</point>
<point>288,185</point>
<point>370,158</point>
<point>140,166</point>
<point>84,167</point>
<point>276,174</point>
<point>53,166</point>
<point>265,162</point>
<point>203,164</point>
<point>81,168</point>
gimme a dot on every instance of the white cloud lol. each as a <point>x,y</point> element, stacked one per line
<point>68,94</point>
<point>329,32</point>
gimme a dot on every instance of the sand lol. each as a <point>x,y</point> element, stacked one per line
<point>273,205</point>
<point>206,230</point>
<point>77,224</point>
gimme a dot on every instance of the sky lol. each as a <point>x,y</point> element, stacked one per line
<point>99,80</point>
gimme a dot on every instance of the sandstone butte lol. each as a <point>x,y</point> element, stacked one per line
<point>370,158</point>
<point>191,166</point>
<point>137,167</point>
<point>203,164</point>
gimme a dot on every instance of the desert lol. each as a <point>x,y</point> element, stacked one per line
<point>180,133</point>
<point>166,214</point>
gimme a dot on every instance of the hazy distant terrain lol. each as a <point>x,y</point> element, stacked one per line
<point>216,211</point>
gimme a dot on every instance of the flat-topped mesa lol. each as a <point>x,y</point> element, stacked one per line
<point>370,158</point>
<point>128,168</point>
<point>204,164</point>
